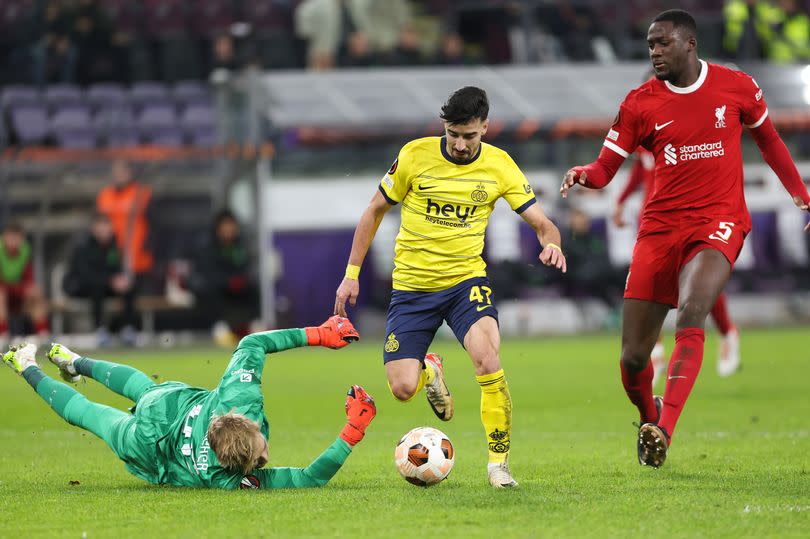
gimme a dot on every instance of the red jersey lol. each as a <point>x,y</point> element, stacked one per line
<point>694,134</point>
<point>641,175</point>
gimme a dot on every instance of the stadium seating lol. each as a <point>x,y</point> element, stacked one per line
<point>109,114</point>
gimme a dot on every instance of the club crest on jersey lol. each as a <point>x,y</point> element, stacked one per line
<point>720,114</point>
<point>479,195</point>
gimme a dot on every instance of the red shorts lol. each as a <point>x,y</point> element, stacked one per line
<point>659,255</point>
<point>15,295</point>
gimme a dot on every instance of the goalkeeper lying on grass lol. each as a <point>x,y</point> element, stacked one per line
<point>187,436</point>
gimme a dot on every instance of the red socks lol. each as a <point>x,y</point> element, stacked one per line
<point>720,315</point>
<point>683,370</point>
<point>638,386</point>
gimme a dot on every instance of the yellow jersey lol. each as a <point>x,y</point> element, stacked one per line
<point>445,210</point>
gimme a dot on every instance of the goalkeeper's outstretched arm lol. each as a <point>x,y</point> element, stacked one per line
<point>360,410</point>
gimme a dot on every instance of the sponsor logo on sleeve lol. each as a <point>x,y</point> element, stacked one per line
<point>388,181</point>
<point>393,166</point>
<point>613,135</point>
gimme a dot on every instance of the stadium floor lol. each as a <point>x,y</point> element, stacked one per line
<point>739,465</point>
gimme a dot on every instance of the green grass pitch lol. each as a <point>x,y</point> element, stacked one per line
<point>740,465</point>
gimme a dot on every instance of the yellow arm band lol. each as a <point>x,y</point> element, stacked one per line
<point>554,246</point>
<point>352,271</point>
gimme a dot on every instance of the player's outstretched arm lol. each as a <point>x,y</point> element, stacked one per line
<point>548,235</point>
<point>360,410</point>
<point>595,175</point>
<point>778,157</point>
<point>349,289</point>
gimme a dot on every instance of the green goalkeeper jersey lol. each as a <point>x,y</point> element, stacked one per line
<point>177,417</point>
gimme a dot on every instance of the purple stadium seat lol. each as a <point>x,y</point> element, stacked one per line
<point>30,123</point>
<point>148,93</point>
<point>188,93</point>
<point>105,94</point>
<point>157,124</point>
<point>170,136</point>
<point>16,95</point>
<point>116,125</point>
<point>212,16</point>
<point>60,95</point>
<point>165,18</point>
<point>199,123</point>
<point>71,128</point>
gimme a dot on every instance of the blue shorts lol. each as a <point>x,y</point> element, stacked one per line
<point>414,317</point>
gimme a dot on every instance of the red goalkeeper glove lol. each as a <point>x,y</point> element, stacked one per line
<point>336,332</point>
<point>360,410</point>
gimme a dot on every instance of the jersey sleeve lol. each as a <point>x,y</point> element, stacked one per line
<point>516,189</point>
<point>397,181</point>
<point>626,132</point>
<point>753,108</point>
<point>240,386</point>
<point>316,474</point>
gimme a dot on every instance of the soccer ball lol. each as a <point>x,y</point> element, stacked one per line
<point>424,456</point>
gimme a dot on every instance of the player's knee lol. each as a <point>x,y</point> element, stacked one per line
<point>403,390</point>
<point>488,363</point>
<point>692,313</point>
<point>633,359</point>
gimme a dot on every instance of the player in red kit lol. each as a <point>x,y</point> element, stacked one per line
<point>642,175</point>
<point>690,117</point>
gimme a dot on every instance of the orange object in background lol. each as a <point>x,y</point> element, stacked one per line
<point>125,202</point>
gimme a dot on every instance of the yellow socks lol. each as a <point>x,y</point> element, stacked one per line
<point>425,377</point>
<point>496,414</point>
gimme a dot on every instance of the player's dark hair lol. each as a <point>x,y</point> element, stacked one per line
<point>679,19</point>
<point>467,104</point>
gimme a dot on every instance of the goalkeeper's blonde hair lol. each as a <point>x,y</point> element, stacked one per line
<point>231,437</point>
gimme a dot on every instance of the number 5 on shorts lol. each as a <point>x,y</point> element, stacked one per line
<point>723,233</point>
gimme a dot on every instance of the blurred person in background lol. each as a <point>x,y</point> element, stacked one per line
<point>92,33</point>
<point>125,202</point>
<point>223,281</point>
<point>350,32</point>
<point>19,294</point>
<point>452,51</point>
<point>748,30</point>
<point>791,34</point>
<point>54,53</point>
<point>590,271</point>
<point>96,272</point>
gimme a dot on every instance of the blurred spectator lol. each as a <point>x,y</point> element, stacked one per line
<point>92,35</point>
<point>407,51</point>
<point>223,281</point>
<point>590,272</point>
<point>350,32</point>
<point>574,26</point>
<point>452,51</point>
<point>19,294</point>
<point>748,28</point>
<point>54,54</point>
<point>791,34</point>
<point>125,202</point>
<point>96,272</point>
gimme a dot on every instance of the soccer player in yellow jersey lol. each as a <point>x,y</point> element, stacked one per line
<point>447,187</point>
